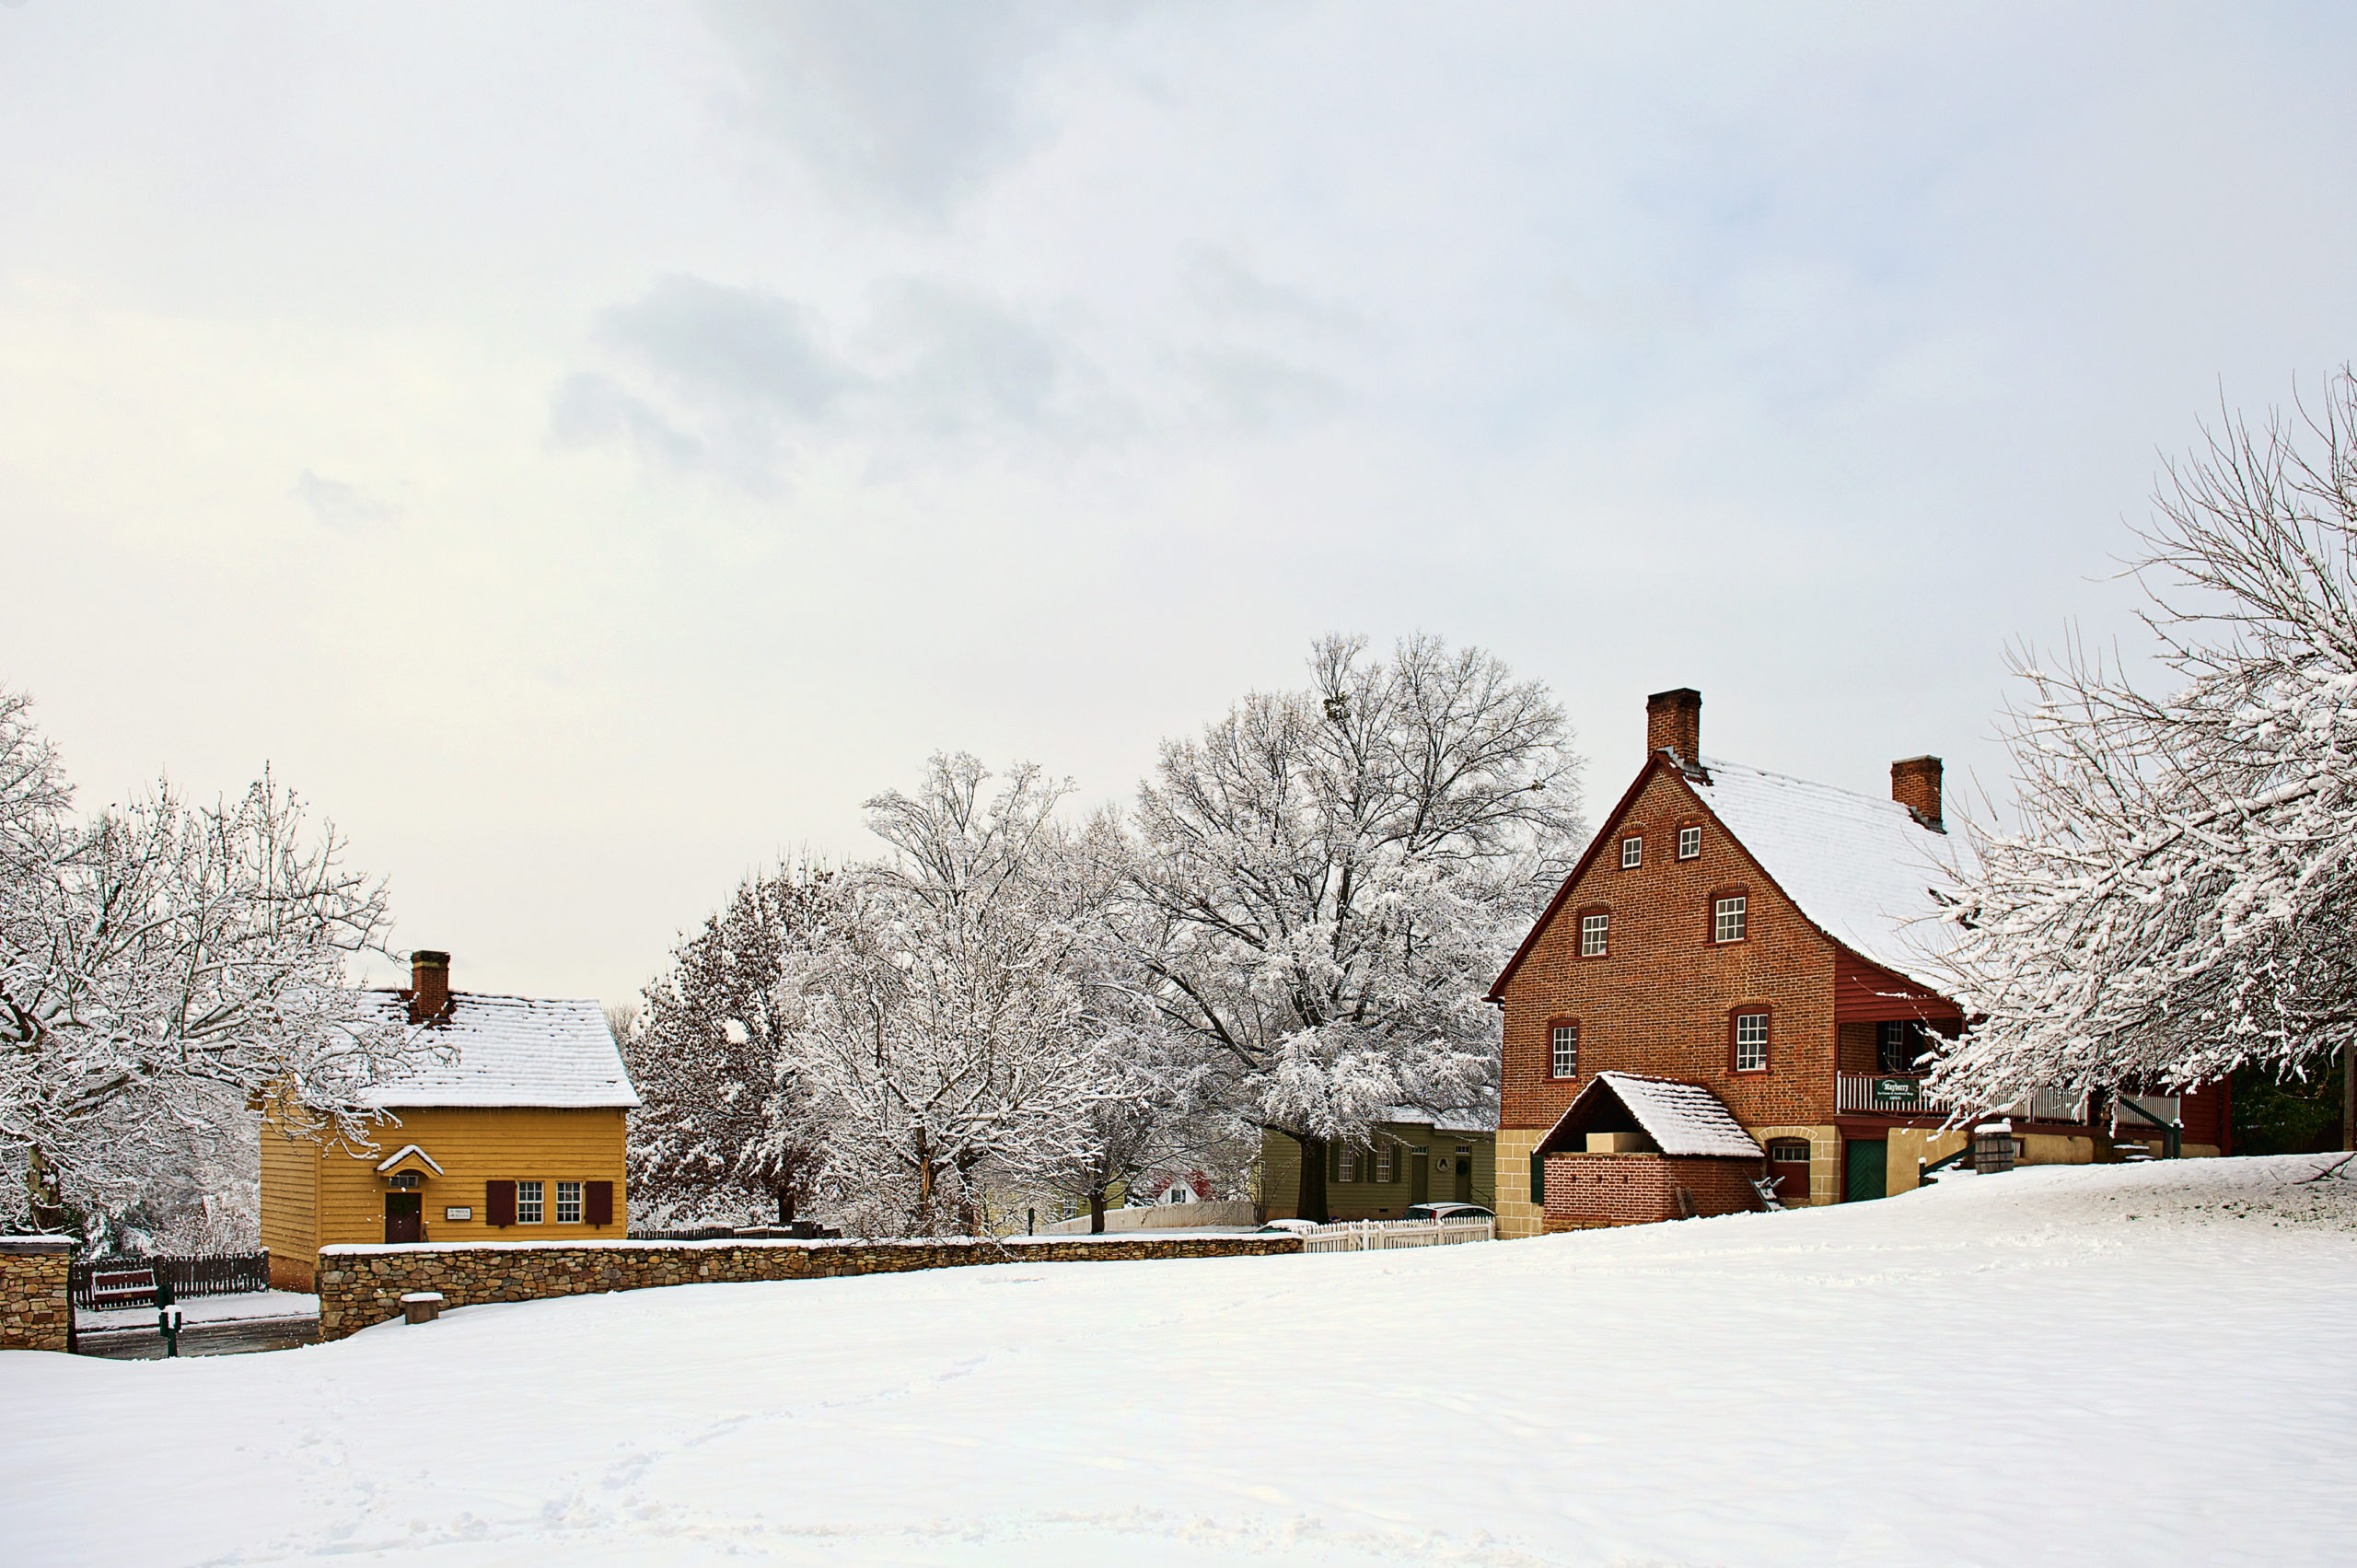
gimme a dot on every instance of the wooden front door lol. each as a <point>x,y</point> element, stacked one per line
<point>1464,1174</point>
<point>404,1217</point>
<point>1866,1164</point>
<point>1420,1177</point>
<point>1788,1165</point>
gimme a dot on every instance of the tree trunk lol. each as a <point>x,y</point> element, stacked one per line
<point>1312,1203</point>
<point>41,1192</point>
<point>2349,1097</point>
<point>1097,1208</point>
<point>785,1204</point>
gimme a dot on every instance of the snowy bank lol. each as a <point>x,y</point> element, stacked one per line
<point>2064,1365</point>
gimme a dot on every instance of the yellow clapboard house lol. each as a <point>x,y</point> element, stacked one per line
<point>512,1129</point>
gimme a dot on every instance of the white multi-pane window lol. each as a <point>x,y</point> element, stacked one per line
<point>568,1202</point>
<point>1726,920</point>
<point>1690,843</point>
<point>1383,1163</point>
<point>1350,1165</point>
<point>1565,1041</point>
<point>1750,1043</point>
<point>1632,853</point>
<point>1592,930</point>
<point>528,1203</point>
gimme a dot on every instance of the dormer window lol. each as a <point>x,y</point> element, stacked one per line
<point>1690,843</point>
<point>1632,853</point>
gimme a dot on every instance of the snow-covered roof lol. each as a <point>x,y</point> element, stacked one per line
<point>509,1050</point>
<point>1861,867</point>
<point>1681,1118</point>
<point>1483,1120</point>
<point>404,1152</point>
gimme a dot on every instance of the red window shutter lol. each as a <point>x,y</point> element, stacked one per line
<point>598,1201</point>
<point>499,1202</point>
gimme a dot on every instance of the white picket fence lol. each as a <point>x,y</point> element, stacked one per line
<point>1375,1236</point>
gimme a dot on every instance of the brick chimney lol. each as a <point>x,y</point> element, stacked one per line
<point>1915,783</point>
<point>429,985</point>
<point>1674,720</point>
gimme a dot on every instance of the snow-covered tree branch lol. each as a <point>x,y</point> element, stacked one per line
<point>1328,878</point>
<point>721,1131</point>
<point>2176,899</point>
<point>159,961</point>
<point>951,1027</point>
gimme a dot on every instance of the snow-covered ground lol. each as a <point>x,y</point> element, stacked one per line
<point>204,1310</point>
<point>2130,1364</point>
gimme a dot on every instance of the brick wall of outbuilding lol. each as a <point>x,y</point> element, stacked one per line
<point>36,1301</point>
<point>363,1285</point>
<point>1587,1190</point>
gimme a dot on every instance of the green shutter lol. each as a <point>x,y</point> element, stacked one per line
<point>1334,1162</point>
<point>1538,1176</point>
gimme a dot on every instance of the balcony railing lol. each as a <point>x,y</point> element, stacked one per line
<point>1886,1094</point>
<point>1902,1094</point>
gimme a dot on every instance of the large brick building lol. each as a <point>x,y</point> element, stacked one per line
<point>1771,942</point>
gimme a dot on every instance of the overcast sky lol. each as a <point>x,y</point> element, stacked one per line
<point>588,449</point>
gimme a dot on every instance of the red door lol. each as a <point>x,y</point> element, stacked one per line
<point>1788,1164</point>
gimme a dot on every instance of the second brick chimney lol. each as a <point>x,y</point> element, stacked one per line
<point>429,985</point>
<point>1674,720</point>
<point>1915,783</point>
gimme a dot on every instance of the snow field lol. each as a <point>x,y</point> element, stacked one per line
<point>2005,1369</point>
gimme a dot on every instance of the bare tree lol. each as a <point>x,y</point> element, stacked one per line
<point>1328,880</point>
<point>2177,898</point>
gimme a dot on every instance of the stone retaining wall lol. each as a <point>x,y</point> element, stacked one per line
<point>360,1286</point>
<point>36,1301</point>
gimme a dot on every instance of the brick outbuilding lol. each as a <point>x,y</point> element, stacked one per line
<point>1776,943</point>
<point>1632,1150</point>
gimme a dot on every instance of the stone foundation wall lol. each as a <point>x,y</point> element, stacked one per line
<point>36,1305</point>
<point>360,1286</point>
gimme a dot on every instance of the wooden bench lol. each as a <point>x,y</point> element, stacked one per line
<point>123,1287</point>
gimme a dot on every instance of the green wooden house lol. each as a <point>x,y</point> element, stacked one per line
<point>1411,1162</point>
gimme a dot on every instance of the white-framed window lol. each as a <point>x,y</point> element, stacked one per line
<point>568,1202</point>
<point>1632,853</point>
<point>1350,1165</point>
<point>528,1203</point>
<point>1383,1163</point>
<point>1690,843</point>
<point>1726,919</point>
<point>1564,1042</point>
<point>1594,928</point>
<point>1751,1043</point>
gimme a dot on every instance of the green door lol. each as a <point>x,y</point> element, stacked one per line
<point>1420,1177</point>
<point>1866,1164</point>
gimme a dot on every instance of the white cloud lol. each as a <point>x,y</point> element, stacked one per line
<point>902,104</point>
<point>340,505</point>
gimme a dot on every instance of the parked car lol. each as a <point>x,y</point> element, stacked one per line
<point>1448,1211</point>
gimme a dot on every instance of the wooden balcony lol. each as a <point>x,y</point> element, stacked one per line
<point>1885,1094</point>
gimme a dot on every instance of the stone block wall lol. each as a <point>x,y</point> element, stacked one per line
<point>360,1286</point>
<point>36,1304</point>
<point>1587,1190</point>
